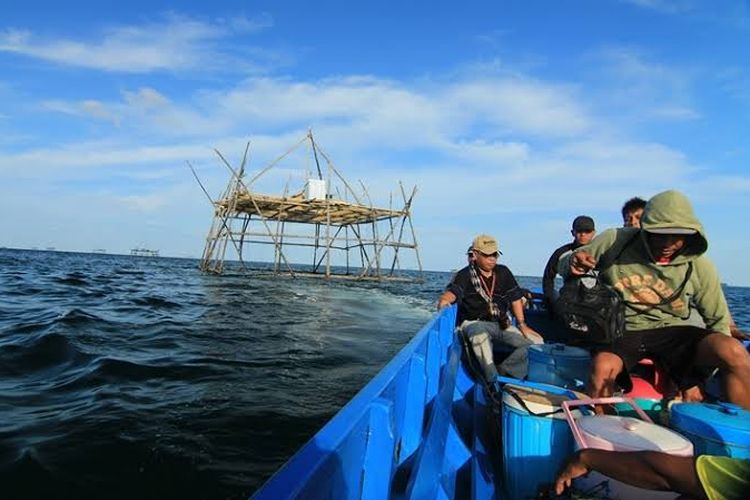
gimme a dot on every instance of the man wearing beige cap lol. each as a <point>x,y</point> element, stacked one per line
<point>485,291</point>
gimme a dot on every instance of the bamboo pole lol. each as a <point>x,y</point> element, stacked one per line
<point>413,233</point>
<point>208,249</point>
<point>328,221</point>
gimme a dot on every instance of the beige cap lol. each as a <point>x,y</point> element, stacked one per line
<point>486,244</point>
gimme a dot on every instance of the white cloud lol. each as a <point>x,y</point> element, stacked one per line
<point>87,108</point>
<point>364,108</point>
<point>58,161</point>
<point>146,98</point>
<point>636,86</point>
<point>520,106</point>
<point>176,44</point>
<point>664,6</point>
<point>366,124</point>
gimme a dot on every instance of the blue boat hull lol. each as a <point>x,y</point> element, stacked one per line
<point>418,430</point>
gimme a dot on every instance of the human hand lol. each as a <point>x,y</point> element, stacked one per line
<point>574,468</point>
<point>581,263</point>
<point>530,333</point>
<point>692,394</point>
<point>735,332</point>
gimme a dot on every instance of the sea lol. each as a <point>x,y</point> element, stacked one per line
<point>141,377</point>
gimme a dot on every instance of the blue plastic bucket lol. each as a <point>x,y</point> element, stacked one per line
<point>714,429</point>
<point>559,364</point>
<point>536,437</point>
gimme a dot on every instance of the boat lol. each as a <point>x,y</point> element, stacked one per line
<point>426,428</point>
<point>144,252</point>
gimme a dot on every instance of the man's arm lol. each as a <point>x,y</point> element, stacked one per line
<point>709,297</point>
<point>455,289</point>
<point>645,469</point>
<point>517,308</point>
<point>735,331</point>
<point>585,258</point>
<point>446,299</point>
<point>548,278</point>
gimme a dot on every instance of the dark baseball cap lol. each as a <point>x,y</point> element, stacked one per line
<point>583,223</point>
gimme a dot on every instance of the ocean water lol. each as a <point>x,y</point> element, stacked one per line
<point>135,377</point>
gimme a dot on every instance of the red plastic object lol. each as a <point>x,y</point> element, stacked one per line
<point>649,381</point>
<point>643,389</point>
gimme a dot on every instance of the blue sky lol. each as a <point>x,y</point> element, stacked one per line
<point>512,117</point>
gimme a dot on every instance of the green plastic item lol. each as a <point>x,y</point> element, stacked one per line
<point>652,407</point>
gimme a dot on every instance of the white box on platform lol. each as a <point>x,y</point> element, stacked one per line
<point>315,189</point>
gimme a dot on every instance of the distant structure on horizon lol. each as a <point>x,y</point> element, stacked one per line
<point>319,216</point>
<point>144,252</point>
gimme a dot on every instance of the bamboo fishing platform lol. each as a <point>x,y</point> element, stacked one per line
<point>346,237</point>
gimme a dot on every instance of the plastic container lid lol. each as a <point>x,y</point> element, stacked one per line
<point>632,434</point>
<point>538,402</point>
<point>559,351</point>
<point>723,421</point>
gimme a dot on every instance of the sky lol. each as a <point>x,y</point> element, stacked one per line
<point>510,117</point>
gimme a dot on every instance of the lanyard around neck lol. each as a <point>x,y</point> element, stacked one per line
<point>490,291</point>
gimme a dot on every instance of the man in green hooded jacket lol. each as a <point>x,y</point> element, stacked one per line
<point>662,273</point>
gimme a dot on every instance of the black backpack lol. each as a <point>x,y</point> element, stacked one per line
<point>593,315</point>
<point>596,314</point>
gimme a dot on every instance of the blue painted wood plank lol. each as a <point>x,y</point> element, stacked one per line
<point>410,401</point>
<point>482,472</point>
<point>377,469</point>
<point>424,482</point>
<point>433,362</point>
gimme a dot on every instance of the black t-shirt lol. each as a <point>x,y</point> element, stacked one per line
<point>471,305</point>
<point>550,271</point>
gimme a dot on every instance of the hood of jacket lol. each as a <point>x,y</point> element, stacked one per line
<point>672,209</point>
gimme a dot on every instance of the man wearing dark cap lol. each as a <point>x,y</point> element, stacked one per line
<point>485,291</point>
<point>662,274</point>
<point>583,232</point>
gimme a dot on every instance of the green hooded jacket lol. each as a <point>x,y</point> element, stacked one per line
<point>626,263</point>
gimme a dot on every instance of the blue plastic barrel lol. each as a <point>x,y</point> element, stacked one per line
<point>559,364</point>
<point>714,429</point>
<point>536,437</point>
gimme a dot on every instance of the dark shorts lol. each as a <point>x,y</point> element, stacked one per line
<point>672,348</point>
